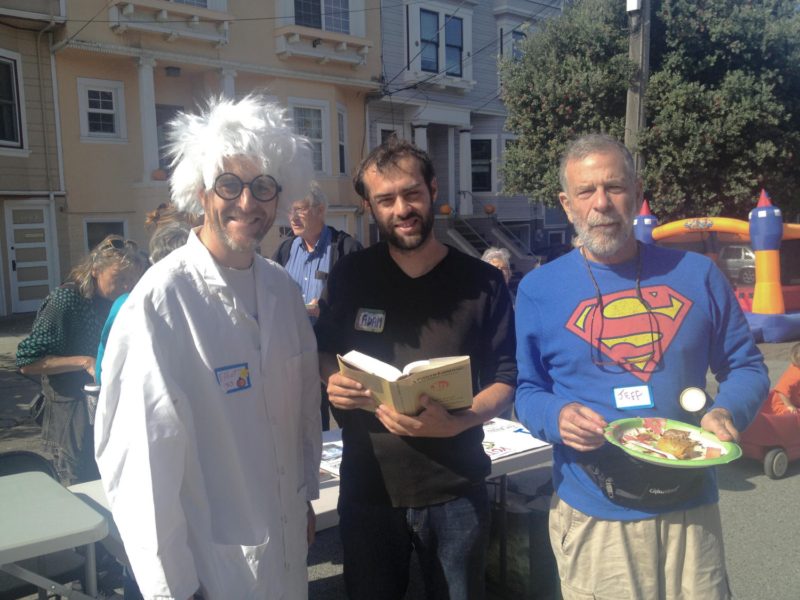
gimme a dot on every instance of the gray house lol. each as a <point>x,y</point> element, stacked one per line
<point>441,89</point>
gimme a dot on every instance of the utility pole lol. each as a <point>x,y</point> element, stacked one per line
<point>639,53</point>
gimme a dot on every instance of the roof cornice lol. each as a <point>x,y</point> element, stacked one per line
<point>172,57</point>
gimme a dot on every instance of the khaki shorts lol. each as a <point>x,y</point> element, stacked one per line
<point>675,556</point>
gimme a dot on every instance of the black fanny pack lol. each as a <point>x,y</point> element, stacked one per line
<point>634,483</point>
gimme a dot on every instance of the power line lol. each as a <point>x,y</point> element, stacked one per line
<point>422,46</point>
<point>85,25</point>
<point>465,61</point>
<point>472,55</point>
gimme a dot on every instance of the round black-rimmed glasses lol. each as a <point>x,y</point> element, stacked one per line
<point>263,188</point>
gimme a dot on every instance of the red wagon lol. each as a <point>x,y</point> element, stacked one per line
<point>773,439</point>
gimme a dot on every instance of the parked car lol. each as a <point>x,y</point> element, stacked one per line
<point>738,263</point>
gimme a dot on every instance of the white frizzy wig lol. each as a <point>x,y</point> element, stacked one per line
<point>252,128</point>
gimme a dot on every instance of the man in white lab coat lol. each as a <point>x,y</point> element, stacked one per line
<point>208,424</point>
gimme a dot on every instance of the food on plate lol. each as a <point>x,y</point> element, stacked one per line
<point>678,443</point>
<point>682,444</point>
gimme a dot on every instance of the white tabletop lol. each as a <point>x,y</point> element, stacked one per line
<point>39,516</point>
<point>528,453</point>
<point>511,448</point>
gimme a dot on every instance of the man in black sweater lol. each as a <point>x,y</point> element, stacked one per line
<point>414,481</point>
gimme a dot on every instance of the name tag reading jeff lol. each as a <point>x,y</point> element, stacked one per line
<point>635,396</point>
<point>370,319</point>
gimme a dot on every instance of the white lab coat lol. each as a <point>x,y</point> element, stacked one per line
<point>208,432</point>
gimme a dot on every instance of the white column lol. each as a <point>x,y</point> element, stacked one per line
<point>420,131</point>
<point>228,84</point>
<point>147,113</point>
<point>452,195</point>
<point>465,170</point>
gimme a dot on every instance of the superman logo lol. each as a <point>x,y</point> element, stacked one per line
<point>628,332</point>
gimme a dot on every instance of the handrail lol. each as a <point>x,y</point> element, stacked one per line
<point>493,216</point>
<point>477,200</point>
<point>513,237</point>
<point>473,231</point>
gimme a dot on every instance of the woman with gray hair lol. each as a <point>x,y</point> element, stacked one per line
<point>500,258</point>
<point>62,346</point>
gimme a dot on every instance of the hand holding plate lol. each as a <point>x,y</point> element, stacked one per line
<point>720,422</point>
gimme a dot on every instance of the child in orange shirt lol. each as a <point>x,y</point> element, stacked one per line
<point>785,396</point>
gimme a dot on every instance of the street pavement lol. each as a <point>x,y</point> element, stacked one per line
<point>760,516</point>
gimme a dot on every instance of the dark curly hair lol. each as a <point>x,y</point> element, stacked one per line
<point>386,156</point>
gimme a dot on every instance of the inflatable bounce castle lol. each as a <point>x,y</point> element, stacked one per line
<point>772,308</point>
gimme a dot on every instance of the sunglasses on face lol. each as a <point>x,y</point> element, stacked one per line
<point>119,244</point>
<point>263,188</point>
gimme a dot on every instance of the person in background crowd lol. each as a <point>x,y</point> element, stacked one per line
<point>500,258</point>
<point>414,482</point>
<point>166,213</point>
<point>62,346</point>
<point>618,329</point>
<point>168,236</point>
<point>310,255</point>
<point>208,425</point>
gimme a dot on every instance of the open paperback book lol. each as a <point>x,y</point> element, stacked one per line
<point>446,380</point>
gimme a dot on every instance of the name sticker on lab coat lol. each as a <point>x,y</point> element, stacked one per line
<point>635,396</point>
<point>233,378</point>
<point>370,319</point>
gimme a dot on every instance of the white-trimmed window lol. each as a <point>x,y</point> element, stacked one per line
<point>102,110</point>
<point>311,119</point>
<point>517,39</point>
<point>341,122</point>
<point>439,39</point>
<point>12,103</point>
<point>484,168</point>
<point>511,37</point>
<point>328,15</point>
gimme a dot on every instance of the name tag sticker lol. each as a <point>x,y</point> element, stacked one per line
<point>370,319</point>
<point>233,378</point>
<point>635,396</point>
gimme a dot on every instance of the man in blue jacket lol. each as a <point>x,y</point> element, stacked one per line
<point>618,329</point>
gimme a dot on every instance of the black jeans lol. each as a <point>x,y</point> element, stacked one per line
<point>451,541</point>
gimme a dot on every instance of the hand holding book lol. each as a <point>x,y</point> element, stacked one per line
<point>447,381</point>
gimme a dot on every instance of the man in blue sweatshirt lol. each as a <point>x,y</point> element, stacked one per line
<point>618,329</point>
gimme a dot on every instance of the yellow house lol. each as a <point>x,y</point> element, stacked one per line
<point>123,68</point>
<point>31,178</point>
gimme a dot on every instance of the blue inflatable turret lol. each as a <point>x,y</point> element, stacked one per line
<point>766,225</point>
<point>644,223</point>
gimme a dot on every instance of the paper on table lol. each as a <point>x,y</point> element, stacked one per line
<point>502,437</point>
<point>331,457</point>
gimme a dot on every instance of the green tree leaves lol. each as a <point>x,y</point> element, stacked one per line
<point>723,101</point>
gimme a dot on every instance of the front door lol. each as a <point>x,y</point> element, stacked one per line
<point>31,251</point>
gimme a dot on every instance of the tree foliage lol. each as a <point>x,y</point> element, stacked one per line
<point>723,101</point>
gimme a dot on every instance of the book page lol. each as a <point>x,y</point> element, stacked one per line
<point>433,363</point>
<point>417,365</point>
<point>448,381</point>
<point>371,365</point>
